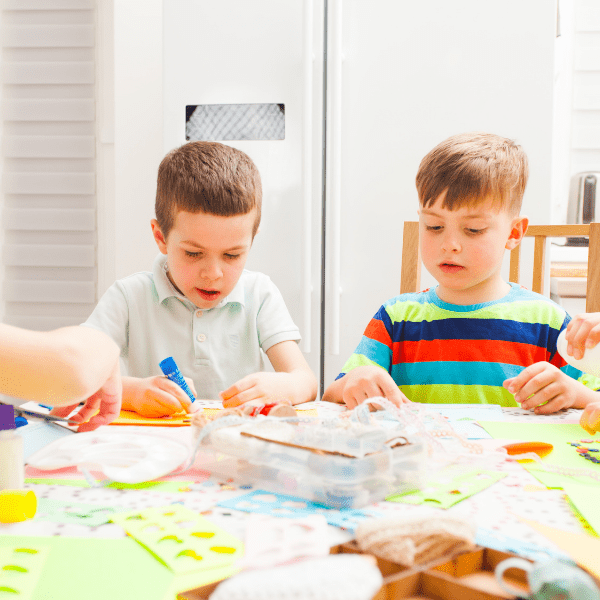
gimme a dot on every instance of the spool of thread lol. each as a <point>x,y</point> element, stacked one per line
<point>590,363</point>
<point>12,463</point>
<point>17,505</point>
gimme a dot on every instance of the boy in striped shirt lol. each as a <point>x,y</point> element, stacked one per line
<point>474,338</point>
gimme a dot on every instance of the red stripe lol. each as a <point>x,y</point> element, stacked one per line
<point>376,331</point>
<point>512,353</point>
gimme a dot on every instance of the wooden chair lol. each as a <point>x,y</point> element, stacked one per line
<point>411,258</point>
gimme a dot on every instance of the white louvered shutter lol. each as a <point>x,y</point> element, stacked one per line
<point>48,217</point>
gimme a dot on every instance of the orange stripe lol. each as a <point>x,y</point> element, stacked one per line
<point>376,331</point>
<point>512,353</point>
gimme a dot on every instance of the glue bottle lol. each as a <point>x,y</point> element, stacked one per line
<point>590,363</point>
<point>12,470</point>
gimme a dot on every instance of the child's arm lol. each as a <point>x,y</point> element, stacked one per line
<point>293,379</point>
<point>546,389</point>
<point>62,368</point>
<point>156,396</point>
<point>583,332</point>
<point>367,381</point>
<point>590,419</point>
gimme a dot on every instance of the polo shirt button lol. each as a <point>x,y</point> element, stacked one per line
<point>198,313</point>
<point>201,337</point>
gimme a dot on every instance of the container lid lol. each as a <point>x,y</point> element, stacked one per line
<point>7,417</point>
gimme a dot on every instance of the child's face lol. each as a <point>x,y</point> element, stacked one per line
<point>463,249</point>
<point>206,253</point>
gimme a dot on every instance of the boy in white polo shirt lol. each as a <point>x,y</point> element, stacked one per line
<point>199,305</point>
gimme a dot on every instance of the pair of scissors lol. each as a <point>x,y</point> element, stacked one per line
<point>29,414</point>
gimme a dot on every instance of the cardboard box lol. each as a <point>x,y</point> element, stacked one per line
<point>469,576</point>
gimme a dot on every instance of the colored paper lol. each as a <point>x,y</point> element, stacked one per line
<point>181,419</point>
<point>180,538</point>
<point>280,505</point>
<point>443,494</point>
<point>21,567</point>
<point>582,548</point>
<point>78,513</point>
<point>585,499</point>
<point>563,456</point>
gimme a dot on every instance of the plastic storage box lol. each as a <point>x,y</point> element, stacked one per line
<point>347,465</point>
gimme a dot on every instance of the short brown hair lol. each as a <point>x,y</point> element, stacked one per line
<point>207,177</point>
<point>472,167</point>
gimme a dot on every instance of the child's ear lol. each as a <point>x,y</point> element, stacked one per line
<point>159,238</point>
<point>517,231</point>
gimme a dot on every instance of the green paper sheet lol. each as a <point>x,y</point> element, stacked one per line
<point>182,539</point>
<point>60,511</point>
<point>101,569</point>
<point>446,494</point>
<point>586,498</point>
<point>20,570</point>
<point>562,455</point>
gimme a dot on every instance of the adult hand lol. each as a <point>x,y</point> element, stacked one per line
<point>590,419</point>
<point>582,332</point>
<point>101,408</point>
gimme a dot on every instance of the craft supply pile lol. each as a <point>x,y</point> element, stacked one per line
<point>313,501</point>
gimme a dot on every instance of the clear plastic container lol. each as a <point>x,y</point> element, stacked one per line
<point>325,471</point>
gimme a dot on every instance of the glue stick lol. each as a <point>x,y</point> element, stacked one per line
<point>12,469</point>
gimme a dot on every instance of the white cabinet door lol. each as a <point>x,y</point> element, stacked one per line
<point>401,77</point>
<point>235,52</point>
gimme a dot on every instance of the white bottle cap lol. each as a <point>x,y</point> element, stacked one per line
<point>590,363</point>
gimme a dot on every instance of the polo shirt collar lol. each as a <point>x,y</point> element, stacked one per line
<point>165,289</point>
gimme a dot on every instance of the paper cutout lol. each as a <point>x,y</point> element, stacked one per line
<point>280,505</point>
<point>181,419</point>
<point>180,538</point>
<point>77,513</point>
<point>563,456</point>
<point>582,548</point>
<point>271,542</point>
<point>446,494</point>
<point>464,417</point>
<point>20,570</point>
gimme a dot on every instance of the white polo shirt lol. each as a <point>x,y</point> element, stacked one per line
<point>150,320</point>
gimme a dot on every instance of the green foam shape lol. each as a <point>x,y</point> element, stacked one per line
<point>196,540</point>
<point>21,569</point>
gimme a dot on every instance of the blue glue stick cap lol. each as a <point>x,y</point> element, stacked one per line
<point>171,370</point>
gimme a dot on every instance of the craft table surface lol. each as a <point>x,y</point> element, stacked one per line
<point>499,509</point>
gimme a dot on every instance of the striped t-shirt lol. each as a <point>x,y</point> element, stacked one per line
<point>446,353</point>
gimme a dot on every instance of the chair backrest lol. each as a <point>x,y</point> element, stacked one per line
<point>411,258</point>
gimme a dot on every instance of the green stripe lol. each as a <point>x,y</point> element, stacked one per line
<point>359,360</point>
<point>458,394</point>
<point>528,311</point>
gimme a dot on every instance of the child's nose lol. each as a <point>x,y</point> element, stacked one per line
<point>211,271</point>
<point>450,243</point>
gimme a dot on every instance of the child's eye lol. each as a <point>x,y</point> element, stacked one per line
<point>232,256</point>
<point>192,254</point>
<point>433,227</point>
<point>475,231</point>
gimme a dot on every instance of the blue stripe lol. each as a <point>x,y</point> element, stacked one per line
<point>375,351</point>
<point>456,373</point>
<point>477,329</point>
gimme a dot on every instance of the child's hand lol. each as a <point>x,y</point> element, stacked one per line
<point>369,382</point>
<point>543,387</point>
<point>266,387</point>
<point>582,332</point>
<point>590,419</point>
<point>156,396</point>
